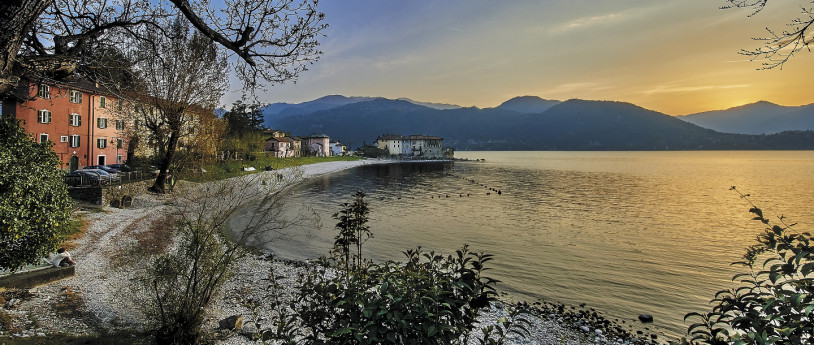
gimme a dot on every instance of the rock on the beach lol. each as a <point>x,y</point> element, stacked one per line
<point>232,323</point>
<point>585,329</point>
<point>646,318</point>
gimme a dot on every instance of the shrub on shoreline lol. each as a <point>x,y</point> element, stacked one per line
<point>775,301</point>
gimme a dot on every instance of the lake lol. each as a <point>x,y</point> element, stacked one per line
<point>625,232</point>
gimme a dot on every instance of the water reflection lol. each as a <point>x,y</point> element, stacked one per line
<point>626,232</point>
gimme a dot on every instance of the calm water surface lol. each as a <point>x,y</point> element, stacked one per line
<point>624,232</point>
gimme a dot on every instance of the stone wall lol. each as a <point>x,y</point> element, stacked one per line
<point>117,196</point>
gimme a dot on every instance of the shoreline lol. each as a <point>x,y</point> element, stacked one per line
<point>102,281</point>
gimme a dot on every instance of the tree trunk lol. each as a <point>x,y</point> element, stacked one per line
<point>16,19</point>
<point>161,181</point>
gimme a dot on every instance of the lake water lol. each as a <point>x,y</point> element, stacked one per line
<point>625,232</point>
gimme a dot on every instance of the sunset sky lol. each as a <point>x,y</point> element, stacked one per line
<point>673,56</point>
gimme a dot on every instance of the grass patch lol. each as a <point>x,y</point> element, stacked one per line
<point>7,323</point>
<point>78,226</point>
<point>69,303</point>
<point>150,242</point>
<point>228,169</point>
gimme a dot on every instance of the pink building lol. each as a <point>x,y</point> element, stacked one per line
<point>319,145</point>
<point>281,146</point>
<point>85,123</point>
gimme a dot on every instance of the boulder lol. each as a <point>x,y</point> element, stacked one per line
<point>646,318</point>
<point>232,323</point>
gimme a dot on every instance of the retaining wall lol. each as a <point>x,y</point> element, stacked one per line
<point>116,196</point>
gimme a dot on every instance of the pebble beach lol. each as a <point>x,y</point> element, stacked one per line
<point>100,294</point>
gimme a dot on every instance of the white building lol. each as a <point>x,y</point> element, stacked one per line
<point>412,145</point>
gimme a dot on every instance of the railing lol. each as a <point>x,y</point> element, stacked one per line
<point>96,179</point>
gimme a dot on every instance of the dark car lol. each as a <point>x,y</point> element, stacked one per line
<point>106,168</point>
<point>121,167</point>
<point>82,178</point>
<point>105,176</point>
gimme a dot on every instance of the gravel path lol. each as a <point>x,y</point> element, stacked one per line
<point>98,299</point>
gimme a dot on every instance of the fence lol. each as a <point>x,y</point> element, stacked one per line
<point>92,178</point>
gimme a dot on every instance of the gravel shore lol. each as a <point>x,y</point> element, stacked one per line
<point>98,299</point>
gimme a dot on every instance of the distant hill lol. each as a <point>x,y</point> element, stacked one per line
<point>569,125</point>
<point>756,118</point>
<point>528,104</point>
<point>439,106</point>
<point>275,111</point>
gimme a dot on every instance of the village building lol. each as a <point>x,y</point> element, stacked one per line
<point>296,145</point>
<point>338,149</point>
<point>274,133</point>
<point>318,145</point>
<point>412,145</point>
<point>280,147</point>
<point>85,122</point>
<point>198,131</point>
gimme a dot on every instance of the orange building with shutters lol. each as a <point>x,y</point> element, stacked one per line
<point>86,124</point>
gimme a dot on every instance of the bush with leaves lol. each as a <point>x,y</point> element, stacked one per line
<point>429,299</point>
<point>774,304</point>
<point>34,202</point>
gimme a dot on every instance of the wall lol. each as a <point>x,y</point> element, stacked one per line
<point>109,195</point>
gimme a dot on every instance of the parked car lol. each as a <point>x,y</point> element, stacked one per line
<point>82,178</point>
<point>106,168</point>
<point>106,177</point>
<point>121,167</point>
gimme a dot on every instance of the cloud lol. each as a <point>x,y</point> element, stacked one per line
<point>615,17</point>
<point>674,89</point>
<point>568,88</point>
<point>584,22</point>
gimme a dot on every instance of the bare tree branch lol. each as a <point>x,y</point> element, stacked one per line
<point>780,46</point>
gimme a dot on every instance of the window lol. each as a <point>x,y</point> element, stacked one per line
<point>43,137</point>
<point>101,143</point>
<point>101,122</point>
<point>63,139</point>
<point>119,105</point>
<point>44,91</point>
<point>119,158</point>
<point>75,120</point>
<point>102,102</point>
<point>120,125</point>
<point>44,116</point>
<point>76,96</point>
<point>119,143</point>
<point>74,140</point>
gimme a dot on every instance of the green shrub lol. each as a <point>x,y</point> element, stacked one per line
<point>774,303</point>
<point>34,202</point>
<point>429,299</point>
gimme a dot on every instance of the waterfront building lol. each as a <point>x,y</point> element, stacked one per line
<point>412,145</point>
<point>85,122</point>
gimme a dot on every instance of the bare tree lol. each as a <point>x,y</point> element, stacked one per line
<point>180,77</point>
<point>779,46</point>
<point>181,284</point>
<point>271,40</point>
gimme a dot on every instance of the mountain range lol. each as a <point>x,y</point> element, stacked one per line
<point>756,118</point>
<point>532,123</point>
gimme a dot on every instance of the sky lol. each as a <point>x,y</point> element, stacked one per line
<point>674,56</point>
